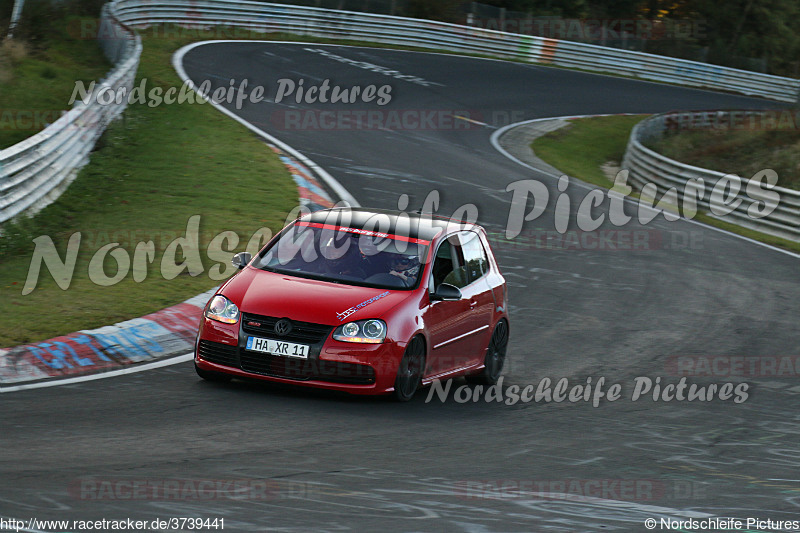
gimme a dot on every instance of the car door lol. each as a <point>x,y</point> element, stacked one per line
<point>478,294</point>
<point>448,322</point>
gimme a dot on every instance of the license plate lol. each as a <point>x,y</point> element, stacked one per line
<point>287,349</point>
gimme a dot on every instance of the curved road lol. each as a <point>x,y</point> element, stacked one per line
<point>313,461</point>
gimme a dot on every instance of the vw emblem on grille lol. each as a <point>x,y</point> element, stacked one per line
<point>283,326</point>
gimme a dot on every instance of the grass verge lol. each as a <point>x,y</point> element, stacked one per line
<point>580,150</point>
<point>153,170</point>
<point>36,81</point>
<point>739,152</point>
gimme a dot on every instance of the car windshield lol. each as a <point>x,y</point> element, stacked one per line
<point>347,255</point>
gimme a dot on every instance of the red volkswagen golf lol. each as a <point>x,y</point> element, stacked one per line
<point>363,301</point>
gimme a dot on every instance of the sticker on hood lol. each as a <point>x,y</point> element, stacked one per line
<point>347,312</point>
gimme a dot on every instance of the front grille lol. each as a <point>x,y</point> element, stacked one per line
<point>276,365</point>
<point>305,369</point>
<point>303,332</point>
<point>221,354</point>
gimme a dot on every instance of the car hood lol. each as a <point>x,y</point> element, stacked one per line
<point>279,295</point>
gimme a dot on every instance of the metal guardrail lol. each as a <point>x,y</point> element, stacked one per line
<point>265,17</point>
<point>673,70</point>
<point>37,170</point>
<point>646,166</point>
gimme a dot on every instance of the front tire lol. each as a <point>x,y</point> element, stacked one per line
<point>495,357</point>
<point>409,372</point>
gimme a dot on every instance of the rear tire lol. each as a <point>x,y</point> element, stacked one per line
<point>495,357</point>
<point>210,375</point>
<point>409,372</point>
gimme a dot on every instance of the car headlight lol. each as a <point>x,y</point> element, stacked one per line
<point>222,310</point>
<point>371,331</point>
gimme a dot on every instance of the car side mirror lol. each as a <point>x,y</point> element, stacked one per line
<point>445,291</point>
<point>241,260</point>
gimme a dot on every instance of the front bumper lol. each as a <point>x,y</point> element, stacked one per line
<point>333,365</point>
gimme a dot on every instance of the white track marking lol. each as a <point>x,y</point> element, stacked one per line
<point>102,375</point>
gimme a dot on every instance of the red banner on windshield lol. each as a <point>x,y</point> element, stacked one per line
<point>364,232</point>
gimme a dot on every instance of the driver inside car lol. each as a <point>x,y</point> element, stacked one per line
<point>405,267</point>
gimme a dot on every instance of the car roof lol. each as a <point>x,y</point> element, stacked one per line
<point>419,226</point>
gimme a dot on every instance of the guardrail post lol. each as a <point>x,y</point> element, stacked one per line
<point>16,13</point>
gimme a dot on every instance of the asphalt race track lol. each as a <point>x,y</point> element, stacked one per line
<point>313,461</point>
